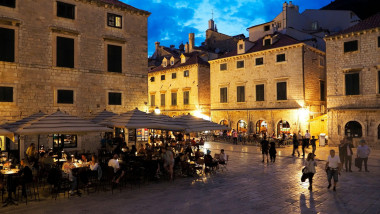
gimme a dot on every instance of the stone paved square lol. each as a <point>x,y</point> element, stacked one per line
<point>248,186</point>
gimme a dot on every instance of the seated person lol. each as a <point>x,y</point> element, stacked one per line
<point>119,173</point>
<point>49,160</point>
<point>133,150</point>
<point>188,150</point>
<point>67,169</point>
<point>84,159</point>
<point>193,142</point>
<point>197,154</point>
<point>95,168</point>
<point>26,176</point>
<point>209,161</point>
<point>222,157</point>
<point>201,141</point>
<point>141,150</point>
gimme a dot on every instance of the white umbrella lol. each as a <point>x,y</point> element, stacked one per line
<point>194,124</point>
<point>4,132</point>
<point>103,117</point>
<point>60,123</point>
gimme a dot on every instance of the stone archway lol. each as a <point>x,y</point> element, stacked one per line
<point>283,126</point>
<point>261,126</point>
<point>242,126</point>
<point>353,129</point>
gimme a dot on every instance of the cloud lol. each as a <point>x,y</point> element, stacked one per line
<point>172,20</point>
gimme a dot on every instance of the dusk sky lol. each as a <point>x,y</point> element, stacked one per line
<point>172,20</point>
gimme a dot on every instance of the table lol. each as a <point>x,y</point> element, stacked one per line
<point>10,173</point>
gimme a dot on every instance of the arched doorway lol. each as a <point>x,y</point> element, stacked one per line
<point>242,126</point>
<point>353,129</point>
<point>283,126</point>
<point>261,126</point>
<point>224,123</point>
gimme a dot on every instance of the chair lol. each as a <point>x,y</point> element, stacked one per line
<point>224,165</point>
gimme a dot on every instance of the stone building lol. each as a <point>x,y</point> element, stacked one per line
<point>353,82</point>
<point>275,84</point>
<point>74,55</point>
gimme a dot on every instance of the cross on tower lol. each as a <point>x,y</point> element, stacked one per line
<point>212,13</point>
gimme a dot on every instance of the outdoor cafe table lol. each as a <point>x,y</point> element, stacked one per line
<point>9,173</point>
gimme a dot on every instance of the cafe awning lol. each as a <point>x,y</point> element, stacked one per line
<point>195,124</point>
<point>60,123</point>
<point>103,117</point>
<point>4,132</point>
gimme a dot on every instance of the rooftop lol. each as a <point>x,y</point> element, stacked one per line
<point>369,23</point>
<point>193,59</point>
<point>124,6</point>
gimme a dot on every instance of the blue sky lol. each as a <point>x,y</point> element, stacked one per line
<point>172,20</point>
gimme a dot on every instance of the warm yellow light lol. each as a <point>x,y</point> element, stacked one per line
<point>157,110</point>
<point>198,113</point>
<point>304,113</point>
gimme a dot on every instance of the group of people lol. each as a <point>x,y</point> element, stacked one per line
<point>305,141</point>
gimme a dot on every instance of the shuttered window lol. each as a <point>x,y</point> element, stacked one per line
<point>223,95</point>
<point>162,99</point>
<point>114,55</point>
<point>351,46</point>
<point>65,10</point>
<point>7,45</point>
<point>152,100</point>
<point>281,91</point>
<point>186,97</point>
<point>114,20</point>
<point>65,52</point>
<point>114,98</point>
<point>65,96</point>
<point>6,94</point>
<point>352,84</point>
<point>260,92</point>
<point>174,99</point>
<point>174,75</point>
<point>240,94</point>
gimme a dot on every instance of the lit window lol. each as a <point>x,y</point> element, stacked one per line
<point>186,73</point>
<point>114,20</point>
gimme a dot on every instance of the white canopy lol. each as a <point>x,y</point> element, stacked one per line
<point>195,124</point>
<point>103,117</point>
<point>4,132</point>
<point>135,119</point>
<point>60,123</point>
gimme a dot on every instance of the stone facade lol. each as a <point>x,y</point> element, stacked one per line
<point>363,107</point>
<point>301,71</point>
<point>35,78</point>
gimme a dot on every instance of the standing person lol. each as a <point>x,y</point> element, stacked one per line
<point>265,148</point>
<point>333,167</point>
<point>307,138</point>
<point>363,152</point>
<point>313,144</point>
<point>348,157</point>
<point>310,165</point>
<point>295,144</point>
<point>31,153</point>
<point>234,135</point>
<point>342,150</point>
<point>168,157</point>
<point>272,151</point>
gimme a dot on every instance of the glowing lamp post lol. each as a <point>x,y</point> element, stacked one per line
<point>157,110</point>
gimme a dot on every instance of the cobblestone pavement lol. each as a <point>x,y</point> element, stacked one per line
<point>248,186</point>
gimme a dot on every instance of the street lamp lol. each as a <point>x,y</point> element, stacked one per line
<point>157,110</point>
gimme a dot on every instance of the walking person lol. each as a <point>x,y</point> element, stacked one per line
<point>272,151</point>
<point>348,157</point>
<point>235,136</point>
<point>295,144</point>
<point>363,152</point>
<point>333,167</point>
<point>265,148</point>
<point>310,165</point>
<point>313,144</point>
<point>342,150</point>
<point>307,138</point>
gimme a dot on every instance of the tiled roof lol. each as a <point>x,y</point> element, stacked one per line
<point>260,24</point>
<point>283,40</point>
<point>366,24</point>
<point>123,5</point>
<point>194,59</point>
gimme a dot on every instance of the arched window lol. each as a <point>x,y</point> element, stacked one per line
<point>242,126</point>
<point>353,129</point>
<point>283,127</point>
<point>261,126</point>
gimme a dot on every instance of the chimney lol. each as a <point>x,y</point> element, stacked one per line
<point>172,47</point>
<point>157,45</point>
<point>187,47</point>
<point>191,42</point>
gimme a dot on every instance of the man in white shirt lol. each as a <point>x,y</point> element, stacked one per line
<point>333,167</point>
<point>119,173</point>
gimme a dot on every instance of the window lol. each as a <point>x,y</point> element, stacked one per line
<point>223,66</point>
<point>281,91</point>
<point>114,20</point>
<point>266,42</point>
<point>162,99</point>
<point>186,97</point>
<point>240,64</point>
<point>7,45</point>
<point>223,95</point>
<point>240,94</point>
<point>114,98</point>
<point>162,77</point>
<point>174,98</point>
<point>64,141</point>
<point>351,46</point>
<point>152,100</point>
<point>186,73</point>
<point>65,52</point>
<point>8,3</point>
<point>353,129</point>
<point>65,96</point>
<point>378,132</point>
<point>6,94</point>
<point>65,10</point>
<point>378,41</point>
<point>114,55</point>
<point>241,47</point>
<point>152,79</point>
<point>266,27</point>
<point>174,75</point>
<point>259,61</point>
<point>314,25</point>
<point>352,84</point>
<point>378,82</point>
<point>260,92</point>
<point>280,57</point>
<point>322,90</point>
<point>321,61</point>
<point>172,62</point>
